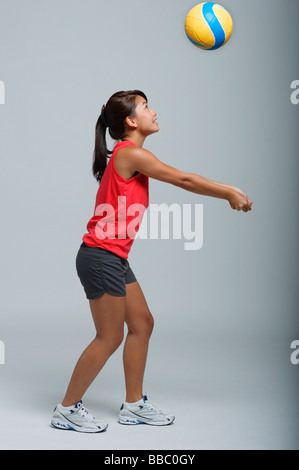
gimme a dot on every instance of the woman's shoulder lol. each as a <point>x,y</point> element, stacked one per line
<point>125,159</point>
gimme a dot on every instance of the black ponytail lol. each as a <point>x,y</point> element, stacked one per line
<point>113,115</point>
<point>101,151</point>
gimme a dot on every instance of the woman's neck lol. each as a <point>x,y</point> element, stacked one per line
<point>137,139</point>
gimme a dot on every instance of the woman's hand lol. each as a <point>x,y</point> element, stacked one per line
<point>238,200</point>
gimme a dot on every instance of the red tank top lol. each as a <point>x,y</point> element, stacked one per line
<point>119,208</point>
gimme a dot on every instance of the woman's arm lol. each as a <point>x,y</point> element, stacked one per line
<point>235,190</point>
<point>139,159</point>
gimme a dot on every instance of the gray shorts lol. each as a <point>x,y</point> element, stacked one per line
<point>102,271</point>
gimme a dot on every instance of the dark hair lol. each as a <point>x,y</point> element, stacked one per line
<point>113,115</point>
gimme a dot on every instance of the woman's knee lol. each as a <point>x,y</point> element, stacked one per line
<point>111,341</point>
<point>150,323</point>
<point>143,326</point>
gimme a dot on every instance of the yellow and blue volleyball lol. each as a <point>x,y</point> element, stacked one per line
<point>208,26</point>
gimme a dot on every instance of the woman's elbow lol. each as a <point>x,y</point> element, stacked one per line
<point>183,181</point>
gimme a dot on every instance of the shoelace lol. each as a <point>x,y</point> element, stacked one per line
<point>152,407</point>
<point>82,411</point>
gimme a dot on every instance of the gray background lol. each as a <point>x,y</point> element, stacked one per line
<point>226,314</point>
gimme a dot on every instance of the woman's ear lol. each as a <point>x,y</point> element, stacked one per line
<point>131,122</point>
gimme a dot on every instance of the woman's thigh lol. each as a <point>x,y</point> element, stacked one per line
<point>108,314</point>
<point>138,316</point>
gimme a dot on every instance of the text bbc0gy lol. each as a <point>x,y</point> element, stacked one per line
<point>151,459</point>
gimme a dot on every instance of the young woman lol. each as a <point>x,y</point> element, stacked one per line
<point>114,294</point>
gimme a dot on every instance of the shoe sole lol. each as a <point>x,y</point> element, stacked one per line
<point>133,422</point>
<point>73,427</point>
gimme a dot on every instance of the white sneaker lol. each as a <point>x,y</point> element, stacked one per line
<point>143,413</point>
<point>77,418</point>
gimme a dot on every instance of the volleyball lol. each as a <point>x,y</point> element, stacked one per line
<point>208,26</point>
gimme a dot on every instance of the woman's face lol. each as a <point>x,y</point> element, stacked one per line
<point>145,118</point>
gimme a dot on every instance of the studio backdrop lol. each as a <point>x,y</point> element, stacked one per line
<point>222,285</point>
